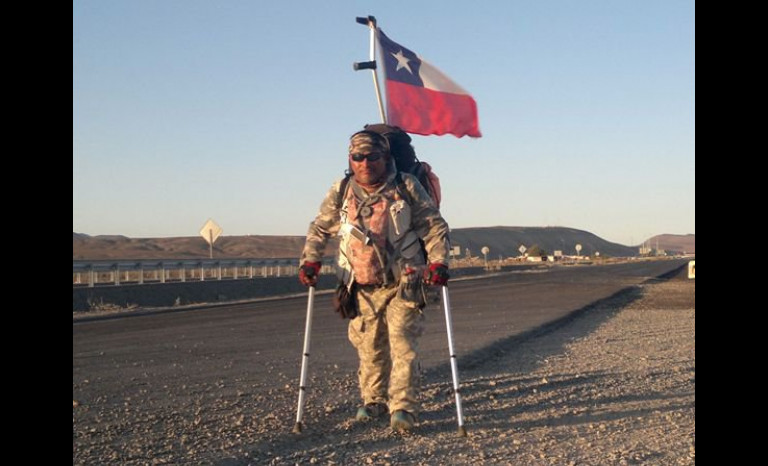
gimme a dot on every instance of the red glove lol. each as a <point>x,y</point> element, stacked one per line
<point>436,274</point>
<point>308,273</point>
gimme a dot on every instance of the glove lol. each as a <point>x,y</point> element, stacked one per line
<point>436,274</point>
<point>308,273</point>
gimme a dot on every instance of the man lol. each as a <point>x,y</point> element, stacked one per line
<point>381,215</point>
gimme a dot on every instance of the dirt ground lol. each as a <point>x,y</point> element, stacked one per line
<point>614,385</point>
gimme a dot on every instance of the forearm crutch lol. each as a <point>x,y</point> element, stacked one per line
<point>454,367</point>
<point>305,361</point>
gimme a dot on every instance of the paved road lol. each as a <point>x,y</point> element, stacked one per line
<point>198,386</point>
<point>260,343</point>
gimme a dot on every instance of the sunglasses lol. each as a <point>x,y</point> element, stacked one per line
<point>372,157</point>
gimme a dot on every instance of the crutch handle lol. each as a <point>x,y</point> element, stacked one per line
<point>366,21</point>
<point>364,65</point>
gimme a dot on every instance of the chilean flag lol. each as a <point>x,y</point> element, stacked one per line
<point>421,99</point>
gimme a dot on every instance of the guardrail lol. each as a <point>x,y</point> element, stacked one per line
<point>115,273</point>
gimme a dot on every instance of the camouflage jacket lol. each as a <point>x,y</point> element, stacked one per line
<point>414,216</point>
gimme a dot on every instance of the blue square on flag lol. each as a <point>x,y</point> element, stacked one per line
<point>400,64</point>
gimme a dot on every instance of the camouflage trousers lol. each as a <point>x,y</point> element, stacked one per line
<point>385,335</point>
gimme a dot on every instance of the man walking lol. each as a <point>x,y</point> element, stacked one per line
<point>383,217</point>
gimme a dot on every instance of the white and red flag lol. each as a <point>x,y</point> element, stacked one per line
<point>420,98</point>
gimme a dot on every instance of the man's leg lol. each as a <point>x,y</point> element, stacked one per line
<point>406,325</point>
<point>368,334</point>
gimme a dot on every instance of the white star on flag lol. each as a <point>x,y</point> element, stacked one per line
<point>402,62</point>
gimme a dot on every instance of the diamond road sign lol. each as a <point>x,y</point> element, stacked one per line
<point>211,231</point>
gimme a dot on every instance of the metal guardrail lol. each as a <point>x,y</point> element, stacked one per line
<point>106,273</point>
<point>115,273</point>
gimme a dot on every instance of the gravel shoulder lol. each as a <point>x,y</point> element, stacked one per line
<point>613,384</point>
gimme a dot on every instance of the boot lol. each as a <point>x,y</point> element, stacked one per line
<point>402,420</point>
<point>370,411</point>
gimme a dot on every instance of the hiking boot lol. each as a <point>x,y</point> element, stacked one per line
<point>370,411</point>
<point>402,420</point>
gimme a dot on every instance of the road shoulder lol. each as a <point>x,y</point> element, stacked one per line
<point>615,385</point>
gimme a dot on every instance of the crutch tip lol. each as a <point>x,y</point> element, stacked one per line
<point>462,431</point>
<point>297,428</point>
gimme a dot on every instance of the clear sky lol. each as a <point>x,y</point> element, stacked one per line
<point>240,111</point>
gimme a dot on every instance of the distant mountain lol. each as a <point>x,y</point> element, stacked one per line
<point>86,247</point>
<point>674,243</point>
<point>506,241</point>
<point>503,241</point>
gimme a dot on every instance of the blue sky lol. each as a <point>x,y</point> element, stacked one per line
<point>240,111</point>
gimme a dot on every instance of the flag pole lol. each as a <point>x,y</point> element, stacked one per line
<point>370,21</point>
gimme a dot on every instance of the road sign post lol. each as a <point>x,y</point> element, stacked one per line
<point>210,232</point>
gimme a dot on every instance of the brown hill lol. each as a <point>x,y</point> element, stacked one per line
<point>86,247</point>
<point>674,243</point>
<point>503,241</point>
<point>506,241</point>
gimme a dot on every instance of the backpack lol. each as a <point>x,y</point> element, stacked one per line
<point>405,158</point>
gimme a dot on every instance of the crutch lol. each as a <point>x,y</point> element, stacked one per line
<point>305,361</point>
<point>454,366</point>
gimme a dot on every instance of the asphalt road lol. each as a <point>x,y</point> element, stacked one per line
<point>259,344</point>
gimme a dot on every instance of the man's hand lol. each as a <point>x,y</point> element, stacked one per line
<point>308,273</point>
<point>436,274</point>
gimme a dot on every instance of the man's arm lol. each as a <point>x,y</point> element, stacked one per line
<point>325,225</point>
<point>427,221</point>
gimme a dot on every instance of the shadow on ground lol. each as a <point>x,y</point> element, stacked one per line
<point>496,383</point>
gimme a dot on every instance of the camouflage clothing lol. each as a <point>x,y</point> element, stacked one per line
<point>369,214</point>
<point>426,221</point>
<point>367,142</point>
<point>386,338</point>
<point>390,298</point>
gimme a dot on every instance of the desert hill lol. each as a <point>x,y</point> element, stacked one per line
<point>86,247</point>
<point>674,243</point>
<point>507,241</point>
<point>500,240</point>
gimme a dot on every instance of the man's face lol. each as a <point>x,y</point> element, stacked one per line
<point>369,168</point>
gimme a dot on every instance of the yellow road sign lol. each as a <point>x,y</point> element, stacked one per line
<point>211,231</point>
